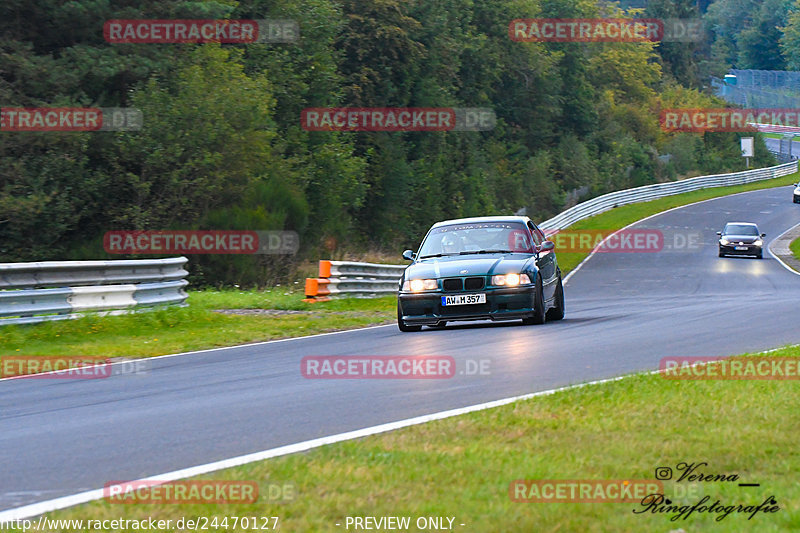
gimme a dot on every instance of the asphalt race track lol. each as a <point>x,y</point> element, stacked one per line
<point>625,311</point>
<point>775,145</point>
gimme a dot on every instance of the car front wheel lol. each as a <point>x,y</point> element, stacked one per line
<point>538,306</point>
<point>401,325</point>
<point>557,312</point>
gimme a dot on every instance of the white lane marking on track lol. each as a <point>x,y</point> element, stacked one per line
<point>769,249</point>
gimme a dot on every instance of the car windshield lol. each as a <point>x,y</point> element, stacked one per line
<point>740,229</point>
<point>476,238</point>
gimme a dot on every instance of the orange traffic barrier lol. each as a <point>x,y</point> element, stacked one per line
<point>352,279</point>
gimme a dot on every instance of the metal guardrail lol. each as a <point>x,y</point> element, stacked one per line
<point>353,279</point>
<point>59,290</point>
<point>774,128</point>
<point>75,273</point>
<point>645,193</point>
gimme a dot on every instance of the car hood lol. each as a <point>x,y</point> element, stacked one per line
<point>475,265</point>
<point>747,239</point>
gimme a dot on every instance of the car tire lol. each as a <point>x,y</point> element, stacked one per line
<point>760,255</point>
<point>539,315</point>
<point>557,312</point>
<point>721,254</point>
<point>402,326</point>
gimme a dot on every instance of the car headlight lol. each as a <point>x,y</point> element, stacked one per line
<point>417,285</point>
<point>758,242</point>
<point>724,241</point>
<point>510,280</point>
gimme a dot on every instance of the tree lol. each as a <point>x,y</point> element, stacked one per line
<point>758,44</point>
<point>790,40</point>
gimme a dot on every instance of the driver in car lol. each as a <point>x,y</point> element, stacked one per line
<point>450,244</point>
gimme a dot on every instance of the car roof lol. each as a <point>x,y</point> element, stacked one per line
<point>742,223</point>
<point>508,218</point>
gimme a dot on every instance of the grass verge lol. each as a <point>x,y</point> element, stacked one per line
<point>199,327</point>
<point>794,246</point>
<point>462,467</point>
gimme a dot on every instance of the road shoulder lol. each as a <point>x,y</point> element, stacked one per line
<point>780,248</point>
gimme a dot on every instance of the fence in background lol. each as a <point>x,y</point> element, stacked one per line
<point>759,88</point>
<point>58,290</point>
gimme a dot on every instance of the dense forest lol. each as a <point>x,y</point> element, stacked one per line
<point>222,146</point>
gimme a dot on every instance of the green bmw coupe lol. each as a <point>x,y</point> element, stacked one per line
<point>496,268</point>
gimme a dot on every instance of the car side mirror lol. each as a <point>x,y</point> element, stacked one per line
<point>409,255</point>
<point>763,234</point>
<point>719,233</point>
<point>547,246</point>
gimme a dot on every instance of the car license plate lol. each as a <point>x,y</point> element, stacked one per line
<point>464,299</point>
<point>740,247</point>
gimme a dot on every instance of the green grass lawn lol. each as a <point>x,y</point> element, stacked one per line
<point>773,135</point>
<point>462,466</point>
<point>794,246</point>
<point>199,327</point>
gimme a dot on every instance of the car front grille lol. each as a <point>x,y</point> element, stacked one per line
<point>473,284</point>
<point>463,284</point>
<point>453,284</point>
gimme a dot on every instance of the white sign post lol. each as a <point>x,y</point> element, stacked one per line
<point>747,149</point>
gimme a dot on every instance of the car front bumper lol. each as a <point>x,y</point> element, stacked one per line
<point>730,249</point>
<point>426,309</point>
<point>796,198</point>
